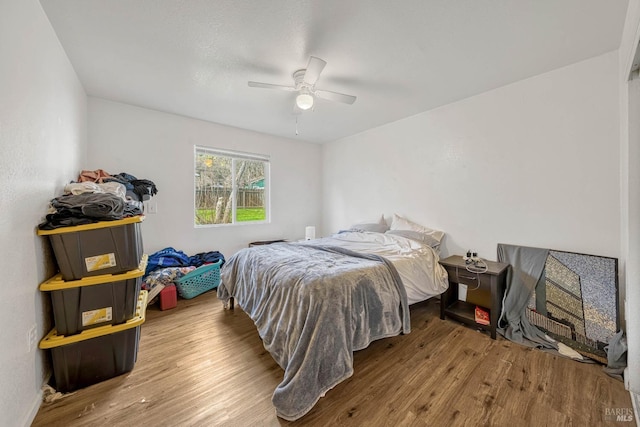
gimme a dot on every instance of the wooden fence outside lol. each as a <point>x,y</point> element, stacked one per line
<point>246,198</point>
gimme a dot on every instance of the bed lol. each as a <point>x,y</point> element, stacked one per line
<point>316,302</point>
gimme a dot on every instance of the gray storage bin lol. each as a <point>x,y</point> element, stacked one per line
<point>105,247</point>
<point>94,301</point>
<point>96,354</point>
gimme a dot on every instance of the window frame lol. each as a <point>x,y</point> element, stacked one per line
<point>234,156</point>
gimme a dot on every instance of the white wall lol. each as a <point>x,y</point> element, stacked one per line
<point>632,248</point>
<point>42,135</point>
<point>630,191</point>
<point>159,146</point>
<point>534,163</point>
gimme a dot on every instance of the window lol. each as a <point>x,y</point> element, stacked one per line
<point>230,187</point>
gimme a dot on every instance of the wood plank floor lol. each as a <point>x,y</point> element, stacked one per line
<point>201,365</point>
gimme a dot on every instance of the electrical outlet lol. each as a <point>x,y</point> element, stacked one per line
<point>31,338</point>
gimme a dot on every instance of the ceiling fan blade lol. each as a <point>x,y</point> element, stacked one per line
<point>314,68</point>
<point>270,86</point>
<point>335,96</point>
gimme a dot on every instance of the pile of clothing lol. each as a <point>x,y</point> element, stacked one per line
<point>168,265</point>
<point>98,196</point>
<point>136,189</point>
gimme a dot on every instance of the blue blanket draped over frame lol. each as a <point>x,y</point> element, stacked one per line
<point>313,307</point>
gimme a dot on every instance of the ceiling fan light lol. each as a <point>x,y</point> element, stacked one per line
<point>304,101</point>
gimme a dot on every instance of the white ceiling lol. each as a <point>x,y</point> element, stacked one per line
<point>194,57</point>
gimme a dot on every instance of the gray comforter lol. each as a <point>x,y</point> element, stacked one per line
<point>313,307</point>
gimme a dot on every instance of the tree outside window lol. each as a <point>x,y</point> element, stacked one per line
<point>230,187</point>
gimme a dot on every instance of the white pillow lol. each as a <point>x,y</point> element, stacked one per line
<point>379,227</point>
<point>400,223</point>
<point>417,236</point>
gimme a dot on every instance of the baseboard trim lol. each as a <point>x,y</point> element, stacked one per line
<point>635,400</point>
<point>33,411</point>
<point>35,406</point>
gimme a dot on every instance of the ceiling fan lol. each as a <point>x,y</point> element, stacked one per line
<point>305,84</point>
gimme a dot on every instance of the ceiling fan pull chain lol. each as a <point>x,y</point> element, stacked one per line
<point>296,125</point>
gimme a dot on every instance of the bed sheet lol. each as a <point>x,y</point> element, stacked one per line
<point>417,264</point>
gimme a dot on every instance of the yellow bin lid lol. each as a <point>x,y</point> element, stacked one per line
<point>92,226</point>
<point>54,340</point>
<point>57,284</point>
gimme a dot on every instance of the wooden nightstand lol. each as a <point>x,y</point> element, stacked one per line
<point>483,289</point>
<point>265,242</point>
